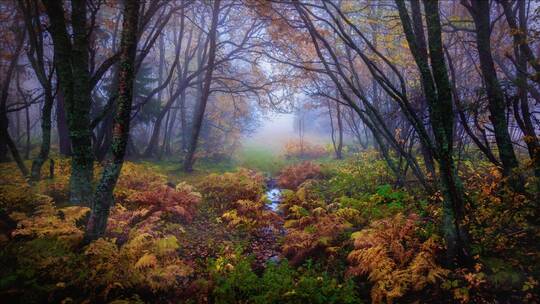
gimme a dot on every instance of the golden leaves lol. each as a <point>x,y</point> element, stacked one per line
<point>394,258</point>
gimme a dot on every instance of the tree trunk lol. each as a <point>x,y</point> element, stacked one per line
<point>437,91</point>
<point>521,105</point>
<point>73,75</point>
<point>103,198</point>
<point>6,143</point>
<point>45,136</point>
<point>198,116</point>
<point>64,142</point>
<point>496,105</point>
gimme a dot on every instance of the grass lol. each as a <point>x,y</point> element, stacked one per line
<point>257,158</point>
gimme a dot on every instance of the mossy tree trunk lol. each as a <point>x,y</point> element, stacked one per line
<point>437,90</point>
<point>103,196</point>
<point>74,77</point>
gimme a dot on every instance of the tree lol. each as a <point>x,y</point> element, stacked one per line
<point>103,197</point>
<point>480,11</point>
<point>6,142</point>
<point>198,116</point>
<point>71,58</point>
<point>38,62</point>
<point>437,91</point>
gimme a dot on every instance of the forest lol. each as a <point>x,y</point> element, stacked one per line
<point>269,151</point>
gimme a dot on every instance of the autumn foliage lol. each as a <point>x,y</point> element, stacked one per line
<point>294,175</point>
<point>303,150</point>
<point>394,258</point>
<point>230,187</point>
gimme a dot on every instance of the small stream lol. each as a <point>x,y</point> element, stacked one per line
<point>273,195</point>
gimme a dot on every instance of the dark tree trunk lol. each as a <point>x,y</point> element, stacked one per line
<point>37,61</point>
<point>443,124</point>
<point>496,105</point>
<point>45,136</point>
<point>73,75</point>
<point>6,143</point>
<point>521,104</point>
<point>339,150</point>
<point>437,91</point>
<point>64,142</point>
<point>198,116</point>
<point>103,198</point>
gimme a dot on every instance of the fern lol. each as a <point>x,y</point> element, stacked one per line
<point>48,221</point>
<point>394,259</point>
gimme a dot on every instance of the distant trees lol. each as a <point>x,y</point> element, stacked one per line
<point>205,93</point>
<point>44,71</point>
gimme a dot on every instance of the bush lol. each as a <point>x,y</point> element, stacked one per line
<point>251,216</point>
<point>136,178</point>
<point>50,222</point>
<point>146,211</point>
<point>294,175</point>
<point>144,264</point>
<point>224,190</point>
<point>235,282</point>
<point>304,150</point>
<point>314,236</point>
<point>394,258</point>
<point>359,176</point>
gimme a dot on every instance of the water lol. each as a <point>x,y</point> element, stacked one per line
<point>274,197</point>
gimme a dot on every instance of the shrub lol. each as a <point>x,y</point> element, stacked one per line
<point>394,258</point>
<point>136,178</point>
<point>235,282</point>
<point>251,216</point>
<point>304,150</point>
<point>147,209</point>
<point>143,264</point>
<point>359,175</point>
<point>228,188</point>
<point>314,235</point>
<point>294,175</point>
<point>50,222</point>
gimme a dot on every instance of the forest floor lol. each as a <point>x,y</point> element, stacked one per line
<point>343,233</point>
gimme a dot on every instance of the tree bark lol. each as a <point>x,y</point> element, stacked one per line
<point>64,142</point>
<point>437,91</point>
<point>103,197</point>
<point>198,117</point>
<point>73,75</point>
<point>479,10</point>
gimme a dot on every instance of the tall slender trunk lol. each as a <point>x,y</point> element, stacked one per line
<point>45,135</point>
<point>27,117</point>
<point>36,58</point>
<point>6,142</point>
<point>64,142</point>
<point>339,151</point>
<point>198,116</point>
<point>521,104</point>
<point>443,125</point>
<point>436,86</point>
<point>103,197</point>
<point>480,11</point>
<point>183,122</point>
